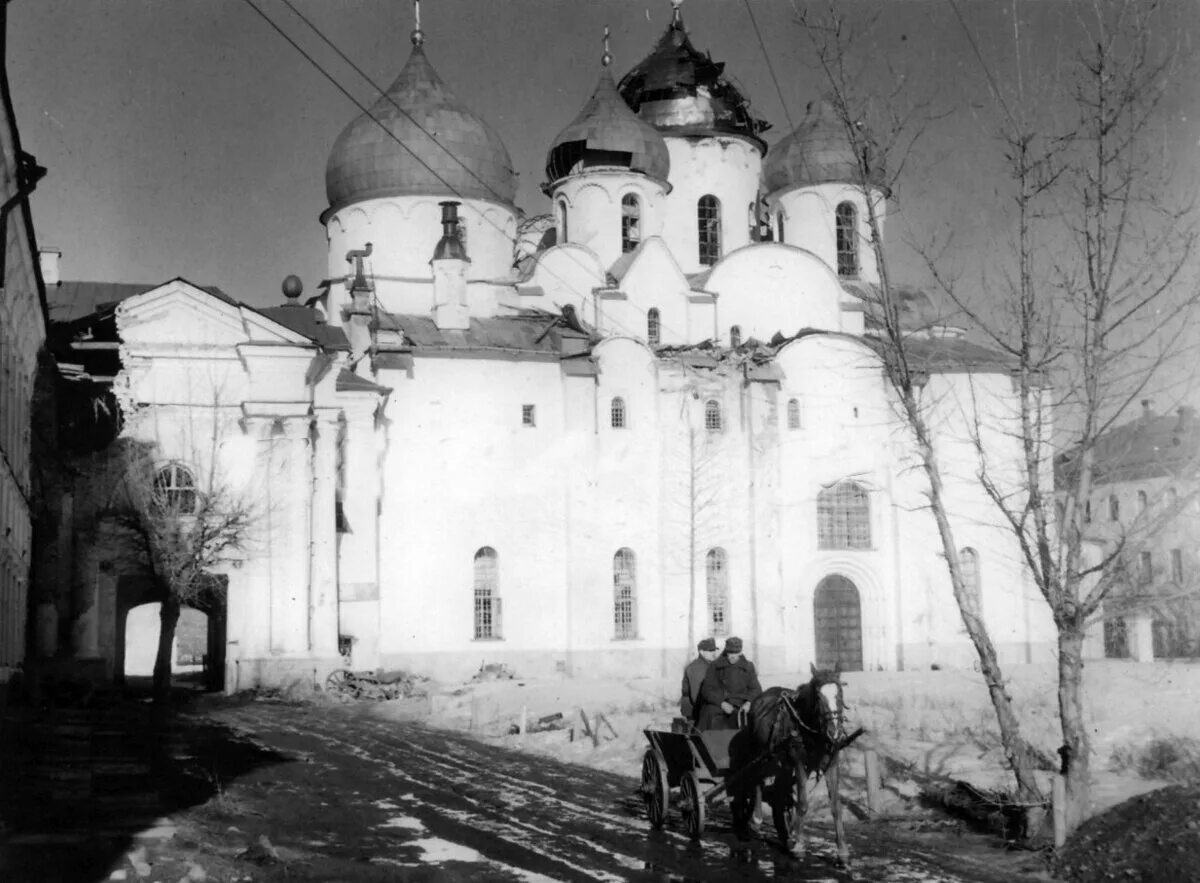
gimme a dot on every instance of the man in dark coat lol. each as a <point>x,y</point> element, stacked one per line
<point>693,677</point>
<point>730,684</point>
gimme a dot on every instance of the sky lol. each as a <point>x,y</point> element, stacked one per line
<point>188,138</point>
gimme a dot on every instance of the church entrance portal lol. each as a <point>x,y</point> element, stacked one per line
<point>838,617</point>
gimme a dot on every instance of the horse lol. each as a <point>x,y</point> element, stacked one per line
<point>789,736</point>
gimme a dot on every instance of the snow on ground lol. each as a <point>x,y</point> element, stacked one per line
<point>939,722</point>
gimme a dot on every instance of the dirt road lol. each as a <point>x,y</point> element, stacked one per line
<point>365,799</point>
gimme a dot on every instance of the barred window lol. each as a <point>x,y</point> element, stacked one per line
<point>653,327</point>
<point>968,561</point>
<point>631,222</point>
<point>717,583</point>
<point>624,594</point>
<point>1142,502</point>
<point>844,517</point>
<point>528,415</point>
<point>1177,566</point>
<point>618,413</point>
<point>793,413</point>
<point>1114,508</point>
<point>708,215</point>
<point>1145,568</point>
<point>712,416</point>
<point>487,594</point>
<point>847,240</point>
<point>735,336</point>
<point>175,489</point>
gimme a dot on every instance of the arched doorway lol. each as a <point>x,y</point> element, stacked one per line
<point>837,614</point>
<point>199,649</point>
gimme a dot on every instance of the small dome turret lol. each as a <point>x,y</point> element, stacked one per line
<point>681,91</point>
<point>607,134</point>
<point>816,152</point>
<point>418,140</point>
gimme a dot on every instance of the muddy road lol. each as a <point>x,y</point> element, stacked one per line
<point>362,798</point>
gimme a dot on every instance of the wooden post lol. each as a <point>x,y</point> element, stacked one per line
<point>1058,805</point>
<point>871,763</point>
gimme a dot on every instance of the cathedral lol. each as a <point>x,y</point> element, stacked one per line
<point>581,442</point>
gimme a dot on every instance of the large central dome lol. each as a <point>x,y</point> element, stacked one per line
<point>681,91</point>
<point>418,140</point>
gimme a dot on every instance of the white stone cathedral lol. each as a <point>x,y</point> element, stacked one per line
<point>582,444</point>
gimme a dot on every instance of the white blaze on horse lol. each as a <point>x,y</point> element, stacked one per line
<point>789,736</point>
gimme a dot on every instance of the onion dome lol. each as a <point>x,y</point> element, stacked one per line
<point>418,140</point>
<point>816,152</point>
<point>681,91</point>
<point>607,134</point>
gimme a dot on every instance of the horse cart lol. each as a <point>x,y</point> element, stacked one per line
<point>697,764</point>
<point>379,685</point>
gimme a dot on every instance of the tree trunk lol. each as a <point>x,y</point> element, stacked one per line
<point>1075,750</point>
<point>168,619</point>
<point>1016,749</point>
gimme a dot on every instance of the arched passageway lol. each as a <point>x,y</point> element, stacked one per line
<point>837,614</point>
<point>198,651</point>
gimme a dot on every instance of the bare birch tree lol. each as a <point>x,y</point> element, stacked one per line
<point>1093,307</point>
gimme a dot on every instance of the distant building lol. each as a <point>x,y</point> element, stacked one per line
<point>22,334</point>
<point>579,444</point>
<point>1146,496</point>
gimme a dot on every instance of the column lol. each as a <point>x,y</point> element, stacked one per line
<point>323,552</point>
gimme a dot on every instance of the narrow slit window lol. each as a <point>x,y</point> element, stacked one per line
<point>653,327</point>
<point>847,240</point>
<point>487,594</point>
<point>562,221</point>
<point>631,222</point>
<point>708,211</point>
<point>793,414</point>
<point>735,336</point>
<point>624,594</point>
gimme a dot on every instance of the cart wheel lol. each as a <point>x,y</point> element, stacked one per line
<point>341,682</point>
<point>693,805</point>
<point>655,790</point>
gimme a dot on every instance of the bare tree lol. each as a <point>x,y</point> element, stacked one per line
<point>879,143</point>
<point>159,520</point>
<point>1093,309</point>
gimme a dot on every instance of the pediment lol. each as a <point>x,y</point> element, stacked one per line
<point>653,270</point>
<point>180,314</point>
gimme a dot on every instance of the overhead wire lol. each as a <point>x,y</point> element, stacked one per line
<point>450,188</point>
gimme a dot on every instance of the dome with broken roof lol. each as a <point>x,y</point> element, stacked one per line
<point>681,91</point>
<point>816,152</point>
<point>607,134</point>
<point>418,140</point>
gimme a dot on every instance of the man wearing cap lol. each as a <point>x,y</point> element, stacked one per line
<point>730,684</point>
<point>693,677</point>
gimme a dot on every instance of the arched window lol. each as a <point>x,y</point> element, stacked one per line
<point>844,517</point>
<point>716,569</point>
<point>779,226</point>
<point>1143,501</point>
<point>631,222</point>
<point>1087,511</point>
<point>617,412</point>
<point>708,213</point>
<point>653,327</point>
<point>968,561</point>
<point>793,413</point>
<point>1114,508</point>
<point>1171,499</point>
<point>461,229</point>
<point>562,221</point>
<point>175,489</point>
<point>735,336</point>
<point>624,594</point>
<point>847,240</point>
<point>712,415</point>
<point>487,594</point>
